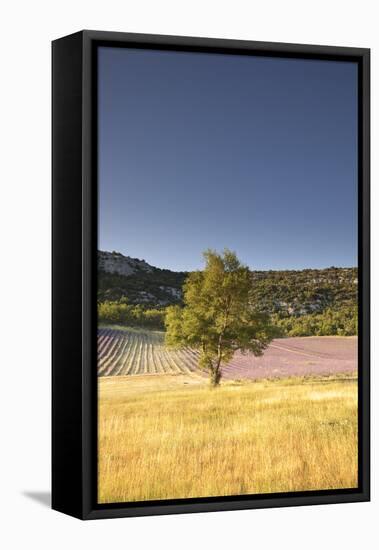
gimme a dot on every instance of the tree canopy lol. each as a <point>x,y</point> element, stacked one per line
<point>218,317</point>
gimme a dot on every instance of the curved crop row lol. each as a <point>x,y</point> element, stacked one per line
<point>128,352</point>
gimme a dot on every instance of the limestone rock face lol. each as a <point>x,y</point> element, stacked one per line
<point>114,262</point>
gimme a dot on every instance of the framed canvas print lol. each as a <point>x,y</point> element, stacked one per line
<point>210,275</point>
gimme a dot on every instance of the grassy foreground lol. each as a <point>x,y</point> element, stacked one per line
<point>163,437</point>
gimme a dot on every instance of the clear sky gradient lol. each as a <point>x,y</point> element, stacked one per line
<point>203,151</point>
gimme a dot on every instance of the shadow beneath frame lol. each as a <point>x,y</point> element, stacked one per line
<point>41,497</point>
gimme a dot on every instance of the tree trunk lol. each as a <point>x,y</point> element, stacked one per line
<point>216,374</point>
<point>215,378</point>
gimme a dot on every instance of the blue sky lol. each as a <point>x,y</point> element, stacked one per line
<point>203,151</point>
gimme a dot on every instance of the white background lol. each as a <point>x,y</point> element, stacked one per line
<point>27,29</point>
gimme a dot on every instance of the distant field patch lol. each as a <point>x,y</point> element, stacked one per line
<point>126,351</point>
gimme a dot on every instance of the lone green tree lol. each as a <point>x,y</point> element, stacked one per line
<point>218,318</point>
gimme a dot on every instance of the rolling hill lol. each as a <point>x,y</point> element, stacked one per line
<point>283,293</point>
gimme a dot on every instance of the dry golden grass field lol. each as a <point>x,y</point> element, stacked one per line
<point>167,436</point>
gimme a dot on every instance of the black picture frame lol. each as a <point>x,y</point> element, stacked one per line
<point>74,204</point>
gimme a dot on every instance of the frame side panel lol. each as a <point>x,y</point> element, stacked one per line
<point>67,275</point>
<point>364,244</point>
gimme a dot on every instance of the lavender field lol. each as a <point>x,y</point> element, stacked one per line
<point>123,352</point>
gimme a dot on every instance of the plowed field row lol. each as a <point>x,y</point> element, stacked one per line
<point>140,352</point>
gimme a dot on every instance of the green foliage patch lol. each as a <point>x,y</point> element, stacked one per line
<point>309,302</point>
